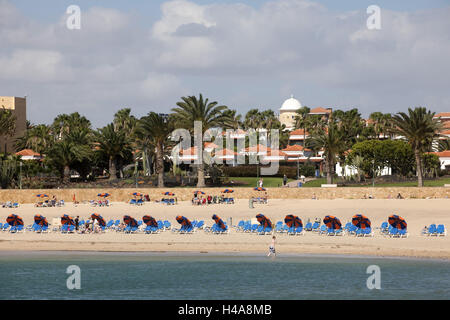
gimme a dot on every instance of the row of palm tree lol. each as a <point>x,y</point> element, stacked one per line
<point>418,127</point>
<point>70,143</point>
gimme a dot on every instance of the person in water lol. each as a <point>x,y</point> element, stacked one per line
<point>272,248</point>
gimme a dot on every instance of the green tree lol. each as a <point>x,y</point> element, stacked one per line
<point>419,129</point>
<point>331,141</point>
<point>153,131</point>
<point>210,114</point>
<point>113,145</point>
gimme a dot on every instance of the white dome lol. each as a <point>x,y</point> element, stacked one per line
<point>291,104</point>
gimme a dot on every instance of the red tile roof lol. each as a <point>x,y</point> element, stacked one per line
<point>298,132</point>
<point>442,114</point>
<point>443,154</point>
<point>295,147</point>
<point>27,152</point>
<point>258,148</point>
<point>225,152</point>
<point>319,110</point>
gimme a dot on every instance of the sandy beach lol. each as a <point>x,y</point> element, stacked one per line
<point>417,213</point>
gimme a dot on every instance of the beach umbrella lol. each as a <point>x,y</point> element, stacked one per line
<point>168,193</point>
<point>289,220</point>
<point>264,221</point>
<point>130,221</point>
<point>228,191</point>
<point>293,221</point>
<point>42,195</point>
<point>397,222</point>
<point>183,221</point>
<point>99,218</point>
<point>198,192</point>
<point>361,221</point>
<point>137,194</point>
<point>103,195</point>
<point>259,189</point>
<point>219,222</point>
<point>150,221</point>
<point>332,222</point>
<point>65,219</point>
<point>14,220</point>
<point>40,220</point>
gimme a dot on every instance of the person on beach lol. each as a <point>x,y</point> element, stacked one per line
<point>77,222</point>
<point>272,248</point>
<point>284,180</point>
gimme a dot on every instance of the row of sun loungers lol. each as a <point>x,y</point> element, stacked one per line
<point>437,231</point>
<point>10,204</point>
<point>50,203</point>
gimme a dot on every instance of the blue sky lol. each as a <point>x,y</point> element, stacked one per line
<point>245,54</point>
<point>48,10</point>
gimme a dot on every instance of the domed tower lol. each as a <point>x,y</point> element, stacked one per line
<point>288,112</point>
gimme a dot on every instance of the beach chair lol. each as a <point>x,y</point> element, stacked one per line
<point>339,232</point>
<point>260,230</point>
<point>330,232</point>
<point>167,225</point>
<point>133,201</point>
<point>44,229</point>
<point>368,232</point>
<point>323,229</point>
<point>291,231</point>
<point>441,231</point>
<point>403,233</point>
<point>200,224</point>
<point>15,205</point>
<point>432,230</point>
<point>384,229</point>
<point>308,226</point>
<point>393,233</point>
<point>315,226</point>
<point>5,227</point>
<point>64,228</point>
<point>299,231</point>
<point>12,229</point>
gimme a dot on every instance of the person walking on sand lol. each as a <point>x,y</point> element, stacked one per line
<point>272,248</point>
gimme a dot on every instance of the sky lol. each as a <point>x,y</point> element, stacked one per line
<point>245,54</point>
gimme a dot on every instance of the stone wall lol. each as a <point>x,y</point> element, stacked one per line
<point>121,195</point>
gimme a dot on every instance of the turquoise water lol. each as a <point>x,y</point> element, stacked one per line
<point>163,276</point>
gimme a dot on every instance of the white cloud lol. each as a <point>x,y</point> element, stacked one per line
<point>248,56</point>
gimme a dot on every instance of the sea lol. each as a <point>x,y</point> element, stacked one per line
<point>196,276</point>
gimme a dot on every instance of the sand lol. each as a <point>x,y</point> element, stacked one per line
<point>417,213</point>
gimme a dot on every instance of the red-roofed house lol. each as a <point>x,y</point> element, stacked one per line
<point>444,157</point>
<point>28,154</point>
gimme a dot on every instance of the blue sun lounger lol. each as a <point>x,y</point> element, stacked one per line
<point>441,231</point>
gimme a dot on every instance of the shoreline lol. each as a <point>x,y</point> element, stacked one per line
<point>200,254</point>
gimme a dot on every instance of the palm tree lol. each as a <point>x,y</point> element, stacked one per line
<point>64,153</point>
<point>233,119</point>
<point>113,145</point>
<point>124,120</point>
<point>253,119</point>
<point>191,109</point>
<point>301,119</point>
<point>332,142</point>
<point>38,138</point>
<point>420,129</point>
<point>63,123</point>
<point>153,130</point>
